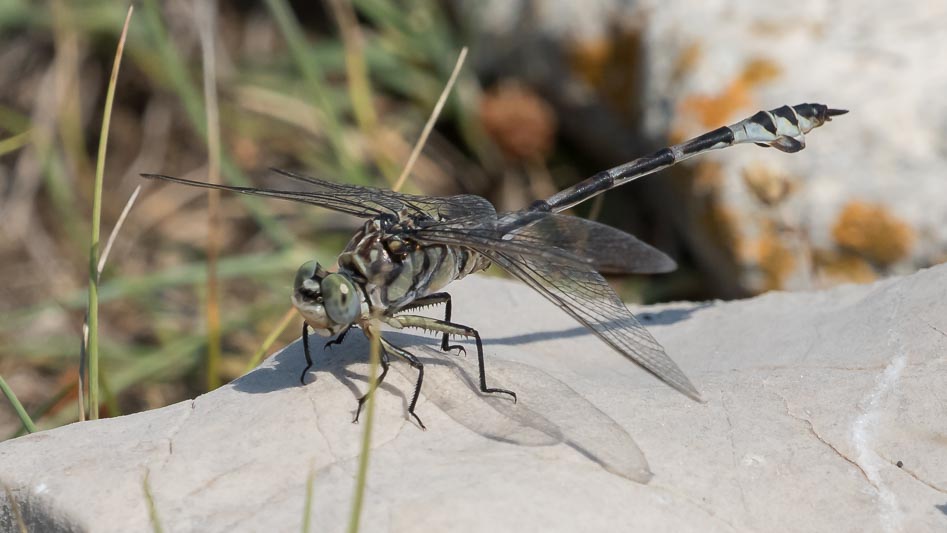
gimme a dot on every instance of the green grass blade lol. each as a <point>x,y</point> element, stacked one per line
<point>271,338</point>
<point>206,22</point>
<point>96,220</point>
<point>315,82</point>
<point>429,125</point>
<point>12,144</point>
<point>152,509</point>
<point>43,409</point>
<point>362,476</point>
<point>173,69</point>
<point>258,264</point>
<point>359,85</point>
<point>17,406</point>
<point>307,507</point>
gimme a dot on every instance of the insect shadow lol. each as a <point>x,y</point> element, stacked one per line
<point>670,315</point>
<point>548,413</point>
<point>283,370</point>
<point>663,317</point>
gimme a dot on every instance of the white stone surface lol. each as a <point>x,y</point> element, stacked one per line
<point>811,400</point>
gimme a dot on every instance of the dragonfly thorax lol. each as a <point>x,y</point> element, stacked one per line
<point>329,303</point>
<point>395,268</point>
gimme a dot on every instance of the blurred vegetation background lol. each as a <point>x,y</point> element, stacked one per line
<point>337,89</point>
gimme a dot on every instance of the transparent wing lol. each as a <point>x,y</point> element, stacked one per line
<point>550,236</point>
<point>436,207</point>
<point>610,250</point>
<point>469,220</point>
<point>483,235</point>
<point>585,295</point>
<point>365,202</point>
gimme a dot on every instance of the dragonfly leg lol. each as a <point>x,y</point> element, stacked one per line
<point>422,322</point>
<point>413,361</point>
<point>384,372</point>
<point>302,377</point>
<point>338,340</point>
<point>434,299</point>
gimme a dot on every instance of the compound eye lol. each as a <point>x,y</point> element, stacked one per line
<point>340,298</point>
<point>305,272</point>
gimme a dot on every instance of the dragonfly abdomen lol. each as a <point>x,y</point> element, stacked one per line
<point>783,128</point>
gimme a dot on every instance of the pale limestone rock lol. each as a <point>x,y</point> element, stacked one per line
<point>868,193</point>
<point>811,400</point>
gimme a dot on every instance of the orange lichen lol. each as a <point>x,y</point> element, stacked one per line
<point>770,255</point>
<point>713,218</point>
<point>768,186</point>
<point>760,70</point>
<point>843,267</point>
<point>775,260</point>
<point>519,120</point>
<point>712,111</point>
<point>873,233</point>
<point>721,224</point>
<point>686,61</point>
<point>708,177</point>
<point>609,65</point>
<point>589,59</point>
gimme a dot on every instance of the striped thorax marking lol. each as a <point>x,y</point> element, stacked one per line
<point>398,270</point>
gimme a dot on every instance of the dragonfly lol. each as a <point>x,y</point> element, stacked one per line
<point>411,247</point>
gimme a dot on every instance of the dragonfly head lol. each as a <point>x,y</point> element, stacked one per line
<point>328,302</point>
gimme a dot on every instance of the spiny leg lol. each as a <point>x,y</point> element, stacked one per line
<point>338,340</point>
<point>302,377</point>
<point>371,390</point>
<point>423,322</point>
<point>434,299</point>
<point>413,361</point>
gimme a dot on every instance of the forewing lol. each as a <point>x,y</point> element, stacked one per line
<point>482,235</point>
<point>610,250</point>
<point>365,202</point>
<point>545,235</point>
<point>435,207</point>
<point>585,295</point>
<point>362,205</point>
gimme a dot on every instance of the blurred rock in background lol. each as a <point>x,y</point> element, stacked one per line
<point>868,196</point>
